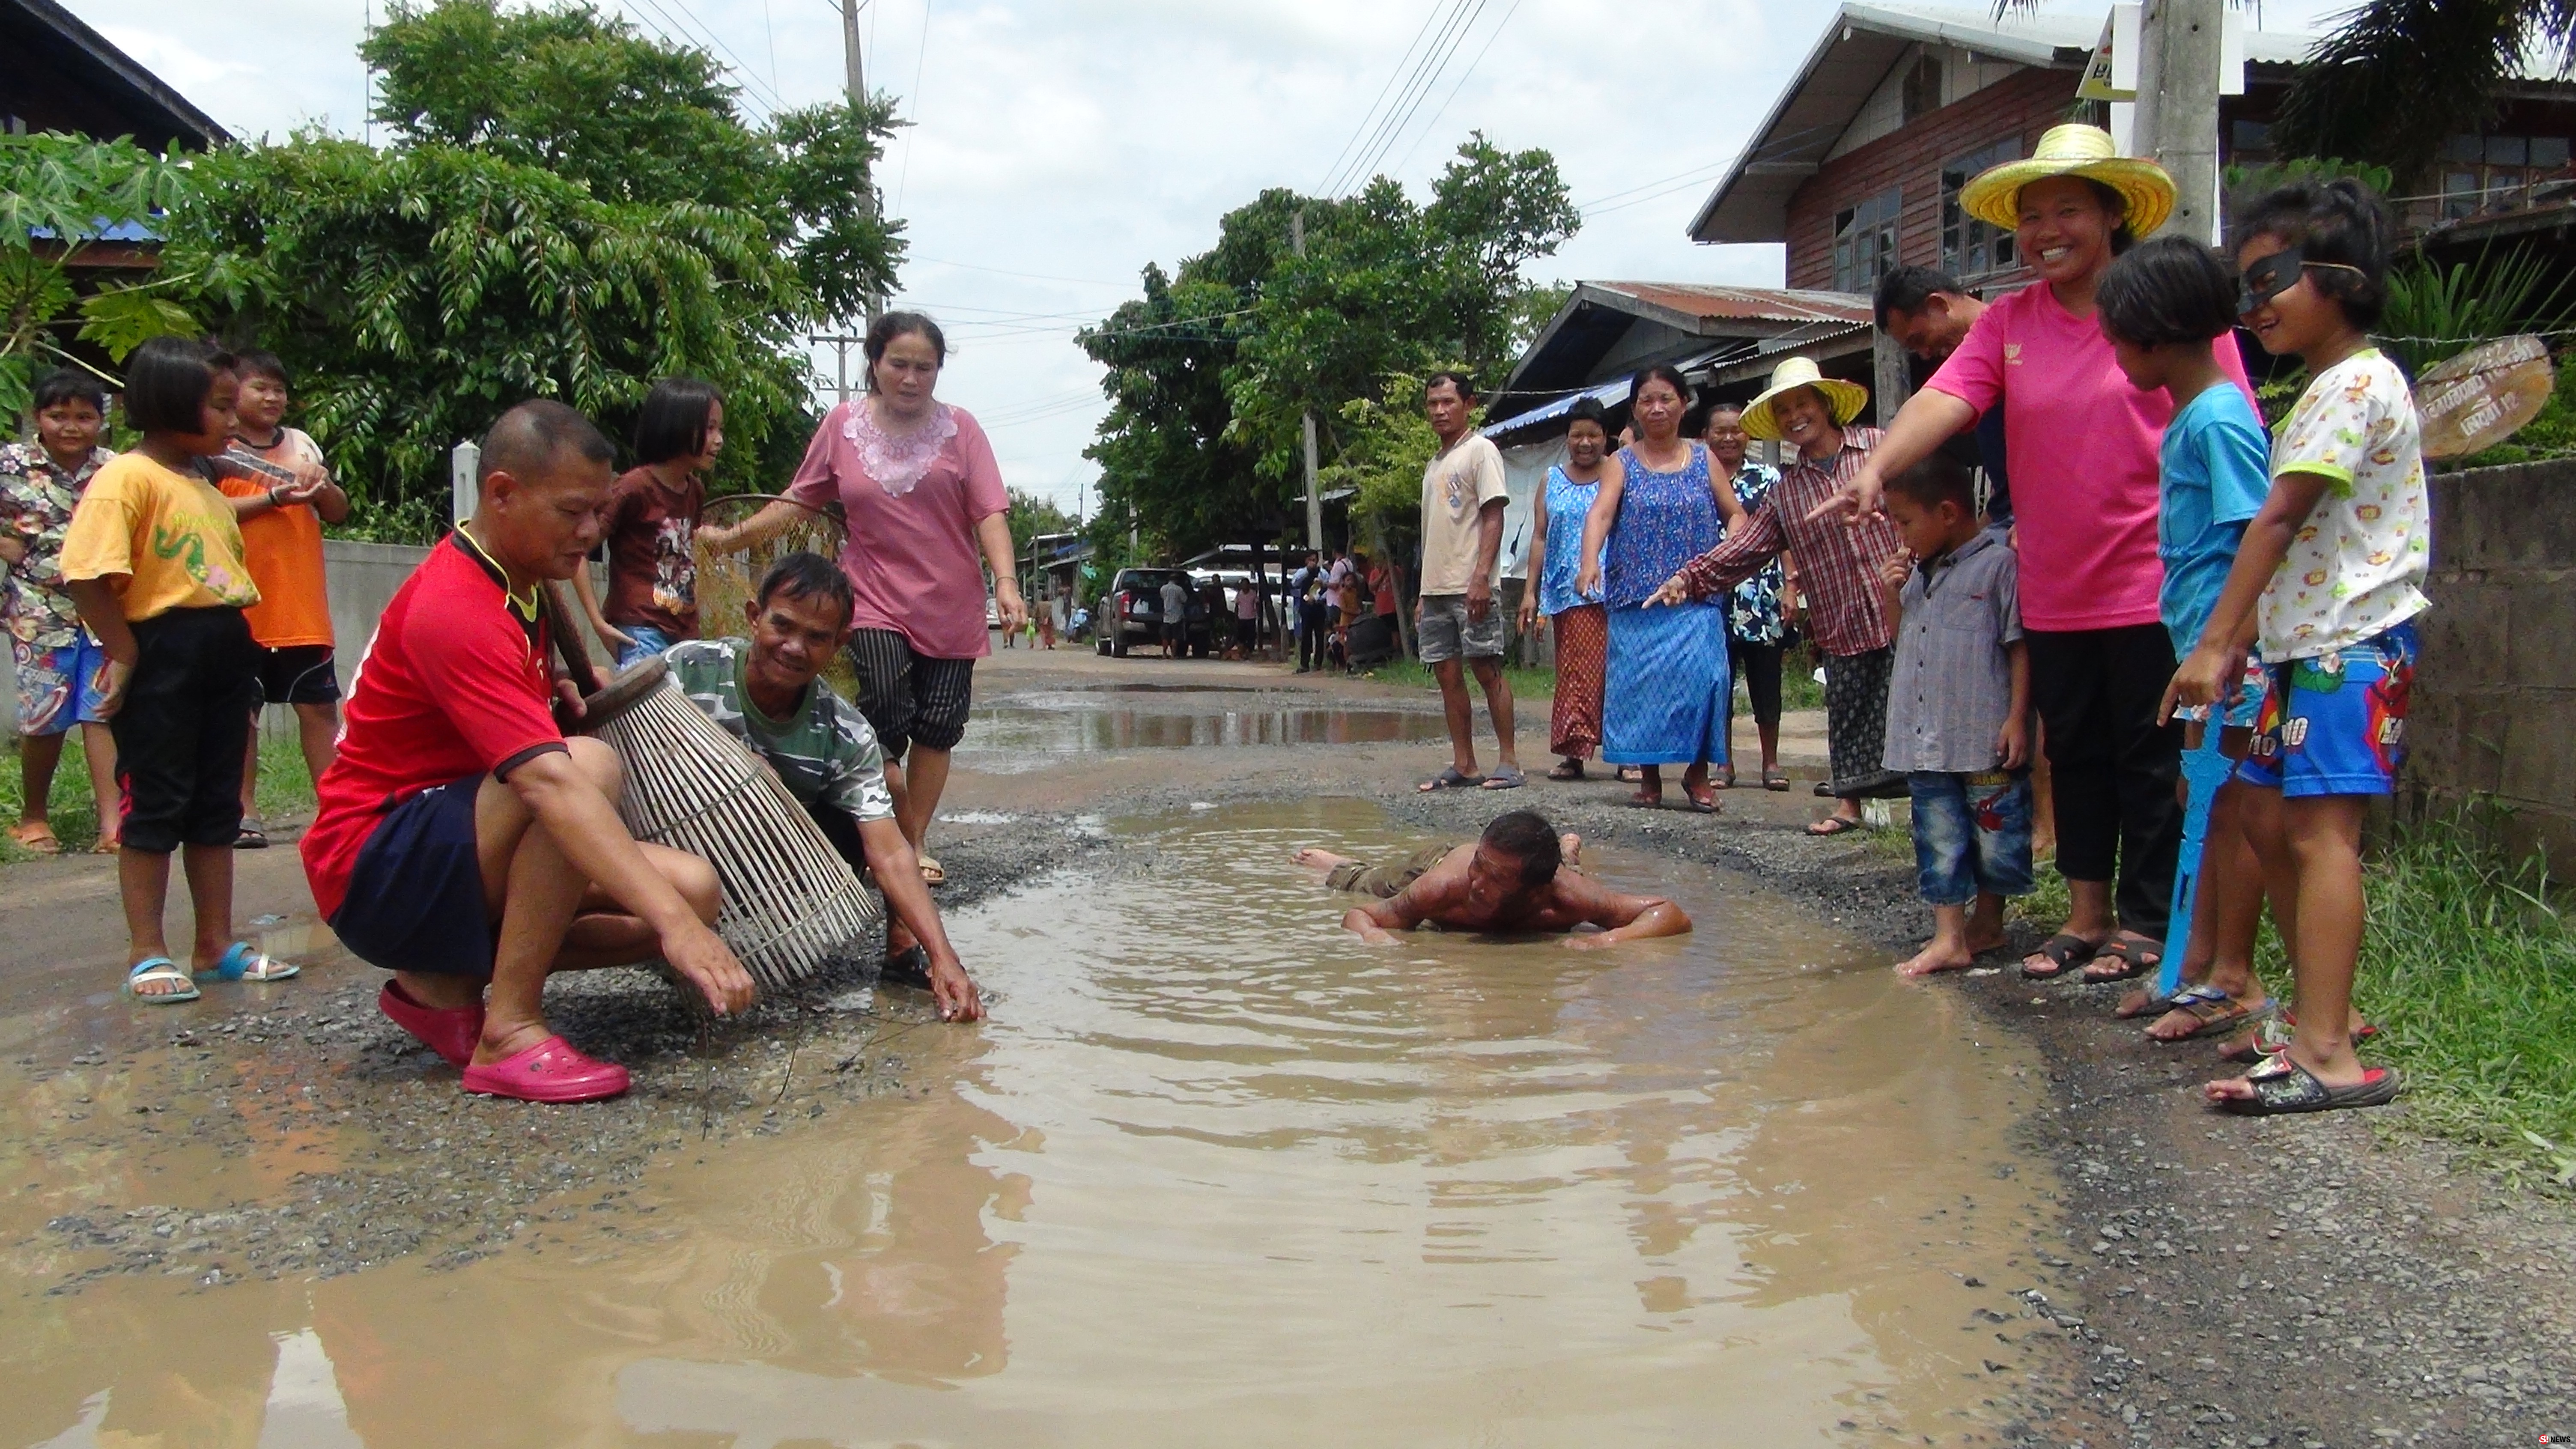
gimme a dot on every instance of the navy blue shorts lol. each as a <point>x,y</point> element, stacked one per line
<point>415,899</point>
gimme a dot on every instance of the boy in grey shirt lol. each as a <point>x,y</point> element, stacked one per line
<point>1958,710</point>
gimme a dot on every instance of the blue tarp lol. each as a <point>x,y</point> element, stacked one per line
<point>1610,394</point>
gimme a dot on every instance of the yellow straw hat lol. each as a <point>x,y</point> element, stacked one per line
<point>1845,398</point>
<point>1994,197</point>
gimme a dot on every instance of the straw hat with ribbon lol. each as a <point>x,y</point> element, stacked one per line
<point>1845,398</point>
<point>1994,197</point>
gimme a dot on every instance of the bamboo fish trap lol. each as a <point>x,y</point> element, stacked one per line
<point>790,902</point>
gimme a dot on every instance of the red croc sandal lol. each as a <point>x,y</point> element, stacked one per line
<point>449,1031</point>
<point>550,1071</point>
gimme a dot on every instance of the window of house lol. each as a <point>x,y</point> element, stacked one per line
<point>1865,241</point>
<point>1923,88</point>
<point>2493,173</point>
<point>1969,247</point>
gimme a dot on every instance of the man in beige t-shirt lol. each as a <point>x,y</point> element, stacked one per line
<point>1463,496</point>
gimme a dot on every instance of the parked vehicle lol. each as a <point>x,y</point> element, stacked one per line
<point>1134,616</point>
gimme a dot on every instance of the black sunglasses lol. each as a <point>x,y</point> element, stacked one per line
<point>2270,277</point>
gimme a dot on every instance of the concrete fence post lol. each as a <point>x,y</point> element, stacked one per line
<point>464,467</point>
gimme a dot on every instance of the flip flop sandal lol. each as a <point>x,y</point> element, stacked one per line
<point>2145,1002</point>
<point>1824,789</point>
<point>241,963</point>
<point>1833,825</point>
<point>2136,958</point>
<point>2272,1036</point>
<point>1699,806</point>
<point>1775,780</point>
<point>1507,777</point>
<point>1725,783</point>
<point>36,836</point>
<point>106,846</point>
<point>2214,1012</point>
<point>1645,802</point>
<point>1570,770</point>
<point>2063,953</point>
<point>932,872</point>
<point>157,969</point>
<point>252,836</point>
<point>2282,1086</point>
<point>1451,778</point>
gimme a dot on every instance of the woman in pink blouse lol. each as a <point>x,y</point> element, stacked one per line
<point>923,498</point>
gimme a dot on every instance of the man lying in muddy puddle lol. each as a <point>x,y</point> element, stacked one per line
<point>1520,877</point>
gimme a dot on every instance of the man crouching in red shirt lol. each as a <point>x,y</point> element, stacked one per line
<point>461,841</point>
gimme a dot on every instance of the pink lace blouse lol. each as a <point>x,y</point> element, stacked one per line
<point>913,500</point>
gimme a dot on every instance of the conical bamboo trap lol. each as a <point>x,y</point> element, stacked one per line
<point>790,902</point>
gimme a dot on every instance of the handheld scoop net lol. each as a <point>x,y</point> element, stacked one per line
<point>790,902</point>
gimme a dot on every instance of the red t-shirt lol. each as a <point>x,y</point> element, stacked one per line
<point>454,684</point>
<point>652,558</point>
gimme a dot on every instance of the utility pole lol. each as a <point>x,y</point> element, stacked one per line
<point>854,70</point>
<point>2176,122</point>
<point>1314,501</point>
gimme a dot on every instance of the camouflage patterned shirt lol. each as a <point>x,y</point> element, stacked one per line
<point>824,751</point>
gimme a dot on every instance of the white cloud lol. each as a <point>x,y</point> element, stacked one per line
<point>1085,138</point>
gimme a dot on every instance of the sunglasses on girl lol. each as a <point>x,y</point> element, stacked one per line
<point>2278,273</point>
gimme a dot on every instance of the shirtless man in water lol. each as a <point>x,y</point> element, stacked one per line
<point>1518,878</point>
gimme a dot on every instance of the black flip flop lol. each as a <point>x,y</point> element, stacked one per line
<point>1833,825</point>
<point>2136,957</point>
<point>2282,1086</point>
<point>2064,953</point>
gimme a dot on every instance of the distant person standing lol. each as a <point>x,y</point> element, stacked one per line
<point>653,521</point>
<point>1247,617</point>
<point>1582,625</point>
<point>1757,625</point>
<point>1306,586</point>
<point>282,494</point>
<point>1176,618</point>
<point>61,668</point>
<point>927,519</point>
<point>1463,497</point>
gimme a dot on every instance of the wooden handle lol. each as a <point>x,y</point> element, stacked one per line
<point>568,644</point>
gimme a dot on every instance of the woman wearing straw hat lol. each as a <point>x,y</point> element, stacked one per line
<point>1837,571</point>
<point>1665,695</point>
<point>2084,449</point>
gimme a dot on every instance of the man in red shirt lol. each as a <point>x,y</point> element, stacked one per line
<point>461,841</point>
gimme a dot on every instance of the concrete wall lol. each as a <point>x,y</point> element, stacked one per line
<point>2494,712</point>
<point>363,579</point>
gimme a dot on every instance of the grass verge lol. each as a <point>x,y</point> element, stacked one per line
<point>1414,674</point>
<point>284,789</point>
<point>2469,969</point>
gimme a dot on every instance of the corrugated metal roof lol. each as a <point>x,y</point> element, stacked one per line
<point>1746,304</point>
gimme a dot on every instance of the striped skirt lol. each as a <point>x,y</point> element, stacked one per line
<point>1582,653</point>
<point>1667,686</point>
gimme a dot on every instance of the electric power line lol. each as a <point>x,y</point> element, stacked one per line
<point>1425,68</point>
<point>1490,37</point>
<point>920,55</point>
<point>1397,120</point>
<point>1333,174</point>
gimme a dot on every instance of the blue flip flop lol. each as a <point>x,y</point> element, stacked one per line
<point>156,969</point>
<point>242,963</point>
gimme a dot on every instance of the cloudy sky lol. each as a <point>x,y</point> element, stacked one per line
<point>1056,146</point>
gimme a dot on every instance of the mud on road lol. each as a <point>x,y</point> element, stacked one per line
<point>2294,1282</point>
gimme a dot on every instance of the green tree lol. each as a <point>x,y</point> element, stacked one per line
<point>2399,77</point>
<point>59,196</point>
<point>568,209</point>
<point>1212,371</point>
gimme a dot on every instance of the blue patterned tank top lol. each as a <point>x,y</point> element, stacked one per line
<point>1665,520</point>
<point>1568,504</point>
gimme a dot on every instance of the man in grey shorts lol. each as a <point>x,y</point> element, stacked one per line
<point>1463,496</point>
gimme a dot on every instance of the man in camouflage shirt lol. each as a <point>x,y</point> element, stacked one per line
<point>767,691</point>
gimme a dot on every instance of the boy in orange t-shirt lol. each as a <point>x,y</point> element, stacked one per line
<point>282,494</point>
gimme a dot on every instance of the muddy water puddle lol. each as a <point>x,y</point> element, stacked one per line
<point>1216,1173</point>
<point>1023,733</point>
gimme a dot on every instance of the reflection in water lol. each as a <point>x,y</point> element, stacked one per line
<point>1216,1173</point>
<point>1035,730</point>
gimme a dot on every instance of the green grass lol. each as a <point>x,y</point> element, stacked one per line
<point>284,789</point>
<point>1414,674</point>
<point>2468,967</point>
